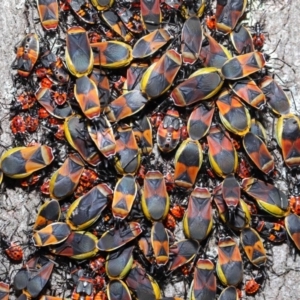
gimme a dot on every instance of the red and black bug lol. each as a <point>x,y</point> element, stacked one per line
<point>295,203</point>
<point>18,125</point>
<point>258,36</point>
<point>11,249</point>
<point>252,286</point>
<point>31,123</point>
<point>27,55</point>
<point>24,101</point>
<point>97,265</point>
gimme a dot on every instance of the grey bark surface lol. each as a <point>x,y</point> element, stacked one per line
<point>18,208</point>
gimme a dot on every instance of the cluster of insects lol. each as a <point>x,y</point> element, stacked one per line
<point>152,150</point>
